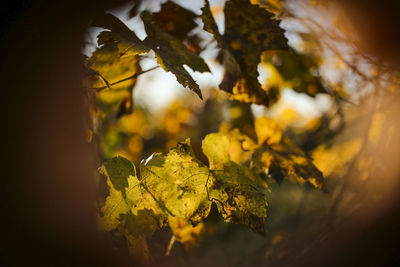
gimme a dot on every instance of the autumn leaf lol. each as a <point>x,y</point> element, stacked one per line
<point>241,146</point>
<point>239,194</point>
<point>118,34</point>
<point>245,38</point>
<point>121,180</point>
<point>179,22</point>
<point>136,7</point>
<point>178,189</point>
<point>297,71</point>
<point>124,208</point>
<point>177,182</point>
<point>174,20</point>
<point>106,60</point>
<point>279,157</point>
<point>90,72</point>
<point>170,52</point>
<point>185,232</point>
<point>267,131</point>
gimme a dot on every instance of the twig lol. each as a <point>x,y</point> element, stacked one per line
<point>171,243</point>
<point>98,89</point>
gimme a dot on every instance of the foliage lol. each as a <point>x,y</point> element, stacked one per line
<point>179,189</point>
<point>245,38</point>
<point>170,52</point>
<point>232,163</point>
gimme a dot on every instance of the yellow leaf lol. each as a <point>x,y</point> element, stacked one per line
<point>267,131</point>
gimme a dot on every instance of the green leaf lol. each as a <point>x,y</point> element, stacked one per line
<point>239,194</point>
<point>249,31</point>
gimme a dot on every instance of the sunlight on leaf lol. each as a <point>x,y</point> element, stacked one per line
<point>245,38</point>
<point>171,53</point>
<point>177,182</point>
<point>279,157</point>
<point>268,131</point>
<point>239,194</point>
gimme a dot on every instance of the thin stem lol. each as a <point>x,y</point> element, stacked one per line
<point>98,89</point>
<point>171,243</point>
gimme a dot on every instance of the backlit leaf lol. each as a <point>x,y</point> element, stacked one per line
<point>267,131</point>
<point>119,34</point>
<point>247,35</point>
<point>124,208</point>
<point>178,22</point>
<point>174,20</point>
<point>280,158</point>
<point>177,182</point>
<point>241,146</point>
<point>122,181</point>
<point>239,194</point>
<point>107,61</point>
<point>171,53</point>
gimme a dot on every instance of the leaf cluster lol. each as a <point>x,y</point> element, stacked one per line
<point>178,189</point>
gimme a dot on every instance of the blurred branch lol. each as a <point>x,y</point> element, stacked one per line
<point>352,167</point>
